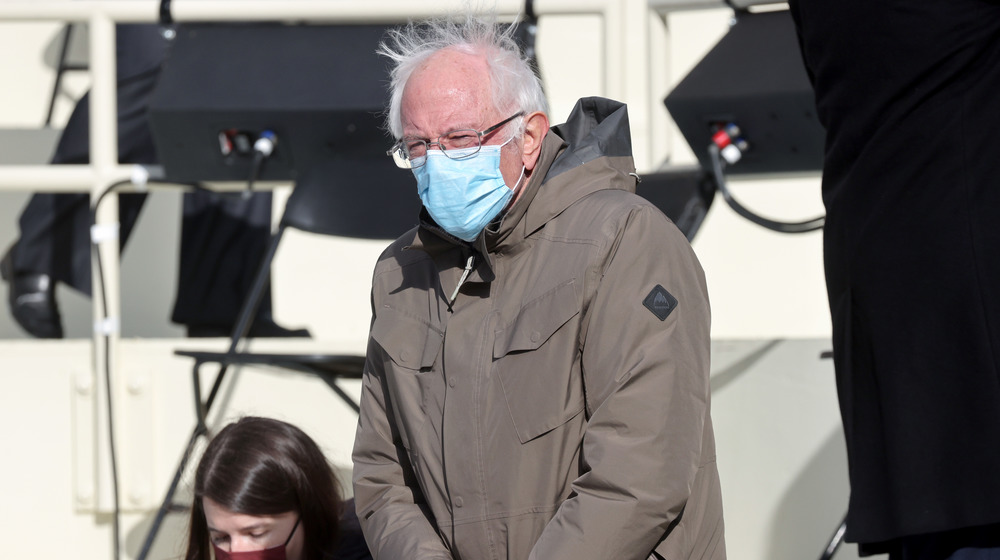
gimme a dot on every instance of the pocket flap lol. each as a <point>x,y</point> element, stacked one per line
<point>538,320</point>
<point>410,342</point>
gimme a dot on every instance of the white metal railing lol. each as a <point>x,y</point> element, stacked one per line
<point>102,15</point>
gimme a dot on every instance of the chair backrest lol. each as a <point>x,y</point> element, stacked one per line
<point>367,198</point>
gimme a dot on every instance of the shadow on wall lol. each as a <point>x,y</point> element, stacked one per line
<point>77,56</point>
<point>77,52</point>
<point>171,541</point>
<point>816,498</point>
<point>731,373</point>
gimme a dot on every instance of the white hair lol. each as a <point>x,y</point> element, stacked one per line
<point>513,85</point>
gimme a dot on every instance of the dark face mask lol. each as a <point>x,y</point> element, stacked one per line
<point>274,553</point>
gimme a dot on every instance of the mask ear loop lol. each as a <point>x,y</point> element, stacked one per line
<point>523,169</point>
<point>513,189</point>
<point>290,535</point>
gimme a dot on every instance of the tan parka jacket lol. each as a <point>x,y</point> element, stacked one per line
<point>554,404</point>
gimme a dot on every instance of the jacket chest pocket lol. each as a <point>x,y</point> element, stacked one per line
<point>410,343</point>
<point>537,359</point>
<point>412,347</point>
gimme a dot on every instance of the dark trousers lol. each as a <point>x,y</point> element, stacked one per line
<point>223,240</point>
<point>970,543</point>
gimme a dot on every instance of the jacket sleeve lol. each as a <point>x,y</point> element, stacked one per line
<point>647,385</point>
<point>395,521</point>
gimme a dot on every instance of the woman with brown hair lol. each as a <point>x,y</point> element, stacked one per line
<point>264,490</point>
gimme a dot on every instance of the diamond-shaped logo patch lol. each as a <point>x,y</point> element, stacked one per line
<point>660,302</point>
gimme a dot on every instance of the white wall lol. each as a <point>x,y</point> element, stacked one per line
<point>780,446</point>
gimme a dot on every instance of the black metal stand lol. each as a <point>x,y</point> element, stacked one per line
<point>838,536</point>
<point>835,540</point>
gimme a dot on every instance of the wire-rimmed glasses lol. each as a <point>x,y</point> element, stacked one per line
<point>411,153</point>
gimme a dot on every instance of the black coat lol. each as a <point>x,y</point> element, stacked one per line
<point>909,92</point>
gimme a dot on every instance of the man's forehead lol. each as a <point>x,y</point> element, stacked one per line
<point>450,90</point>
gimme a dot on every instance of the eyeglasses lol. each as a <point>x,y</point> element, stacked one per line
<point>410,153</point>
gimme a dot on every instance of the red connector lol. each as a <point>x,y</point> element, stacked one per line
<point>731,144</point>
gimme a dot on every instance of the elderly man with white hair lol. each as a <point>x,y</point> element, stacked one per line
<point>537,376</point>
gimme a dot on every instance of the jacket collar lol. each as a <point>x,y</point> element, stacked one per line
<point>595,153</point>
<point>591,151</point>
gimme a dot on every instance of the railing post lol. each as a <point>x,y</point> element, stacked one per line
<point>104,159</point>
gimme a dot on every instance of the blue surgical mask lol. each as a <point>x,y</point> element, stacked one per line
<point>463,195</point>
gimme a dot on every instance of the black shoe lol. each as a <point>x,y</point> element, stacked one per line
<point>262,328</point>
<point>32,300</point>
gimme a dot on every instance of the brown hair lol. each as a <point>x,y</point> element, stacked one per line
<point>263,466</point>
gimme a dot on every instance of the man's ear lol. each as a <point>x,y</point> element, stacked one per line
<point>536,125</point>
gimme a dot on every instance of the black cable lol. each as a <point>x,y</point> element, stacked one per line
<point>95,250</point>
<point>116,522</point>
<point>263,147</point>
<point>105,335</point>
<point>258,159</point>
<point>780,227</point>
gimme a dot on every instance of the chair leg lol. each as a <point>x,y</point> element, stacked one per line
<point>331,380</point>
<point>200,411</point>
<point>168,500</point>
<point>261,282</point>
<point>200,429</point>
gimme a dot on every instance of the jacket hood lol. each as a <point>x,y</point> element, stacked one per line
<point>596,128</point>
<point>595,154</point>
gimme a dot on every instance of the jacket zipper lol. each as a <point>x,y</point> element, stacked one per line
<point>465,275</point>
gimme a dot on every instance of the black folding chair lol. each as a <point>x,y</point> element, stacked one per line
<point>360,198</point>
